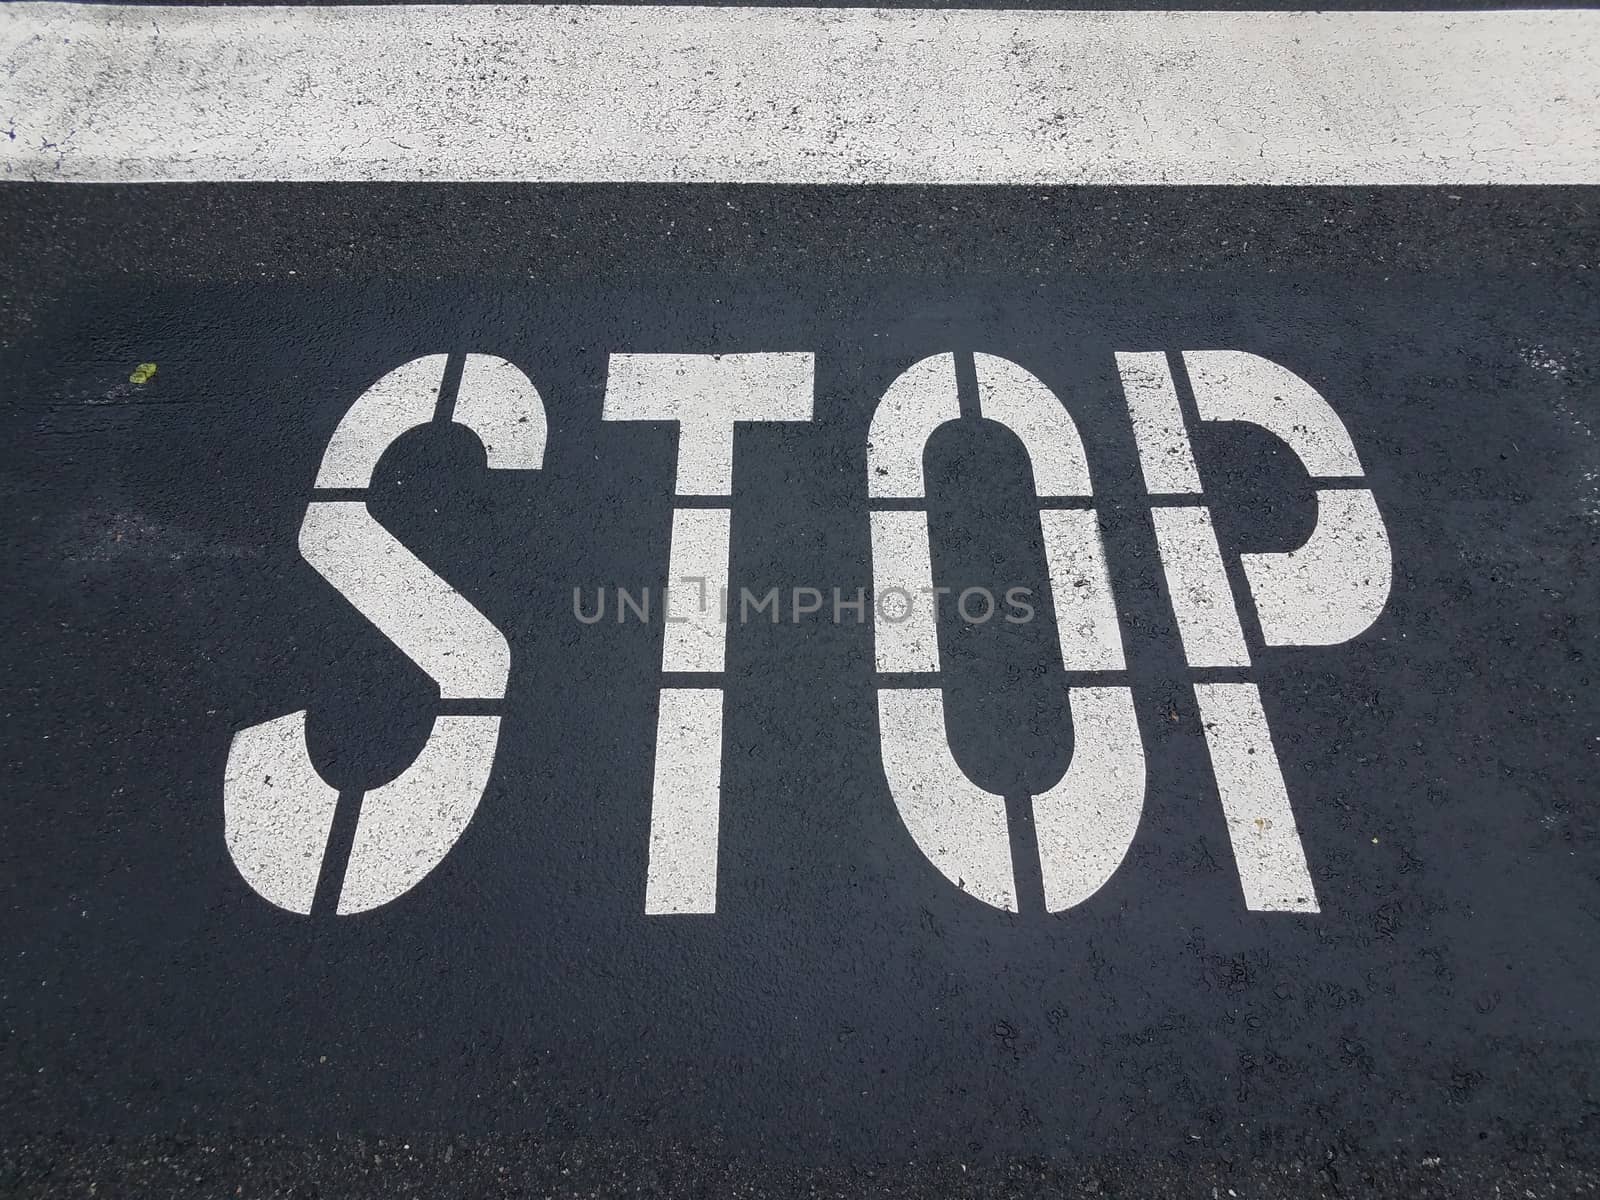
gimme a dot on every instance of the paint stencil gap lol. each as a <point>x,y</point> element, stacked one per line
<point>1328,483</point>
<point>336,855</point>
<point>692,679</point>
<point>1097,678</point>
<point>967,386</point>
<point>449,388</point>
<point>1183,388</point>
<point>1025,867</point>
<point>469,707</point>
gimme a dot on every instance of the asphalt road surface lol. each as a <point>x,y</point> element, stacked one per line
<point>348,855</point>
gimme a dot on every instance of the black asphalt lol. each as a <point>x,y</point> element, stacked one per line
<point>847,1023</point>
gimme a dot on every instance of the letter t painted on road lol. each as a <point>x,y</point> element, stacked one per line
<point>705,394</point>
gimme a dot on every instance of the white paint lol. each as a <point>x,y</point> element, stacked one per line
<point>960,828</point>
<point>1266,843</point>
<point>427,619</point>
<point>1231,385</point>
<point>500,404</point>
<point>1334,586</point>
<point>277,812</point>
<point>402,400</point>
<point>495,400</point>
<point>1086,610</point>
<point>1165,457</point>
<point>922,398</point>
<point>686,803</point>
<point>1016,398</point>
<point>277,838</point>
<point>798,95</point>
<point>1087,821</point>
<point>408,825</point>
<point>706,394</point>
<point>1327,591</point>
<point>1197,582</point>
<point>696,636</point>
<point>905,632</point>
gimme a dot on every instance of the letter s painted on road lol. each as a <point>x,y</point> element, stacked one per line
<point>277,810</point>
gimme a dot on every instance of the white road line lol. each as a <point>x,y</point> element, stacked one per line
<point>797,95</point>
